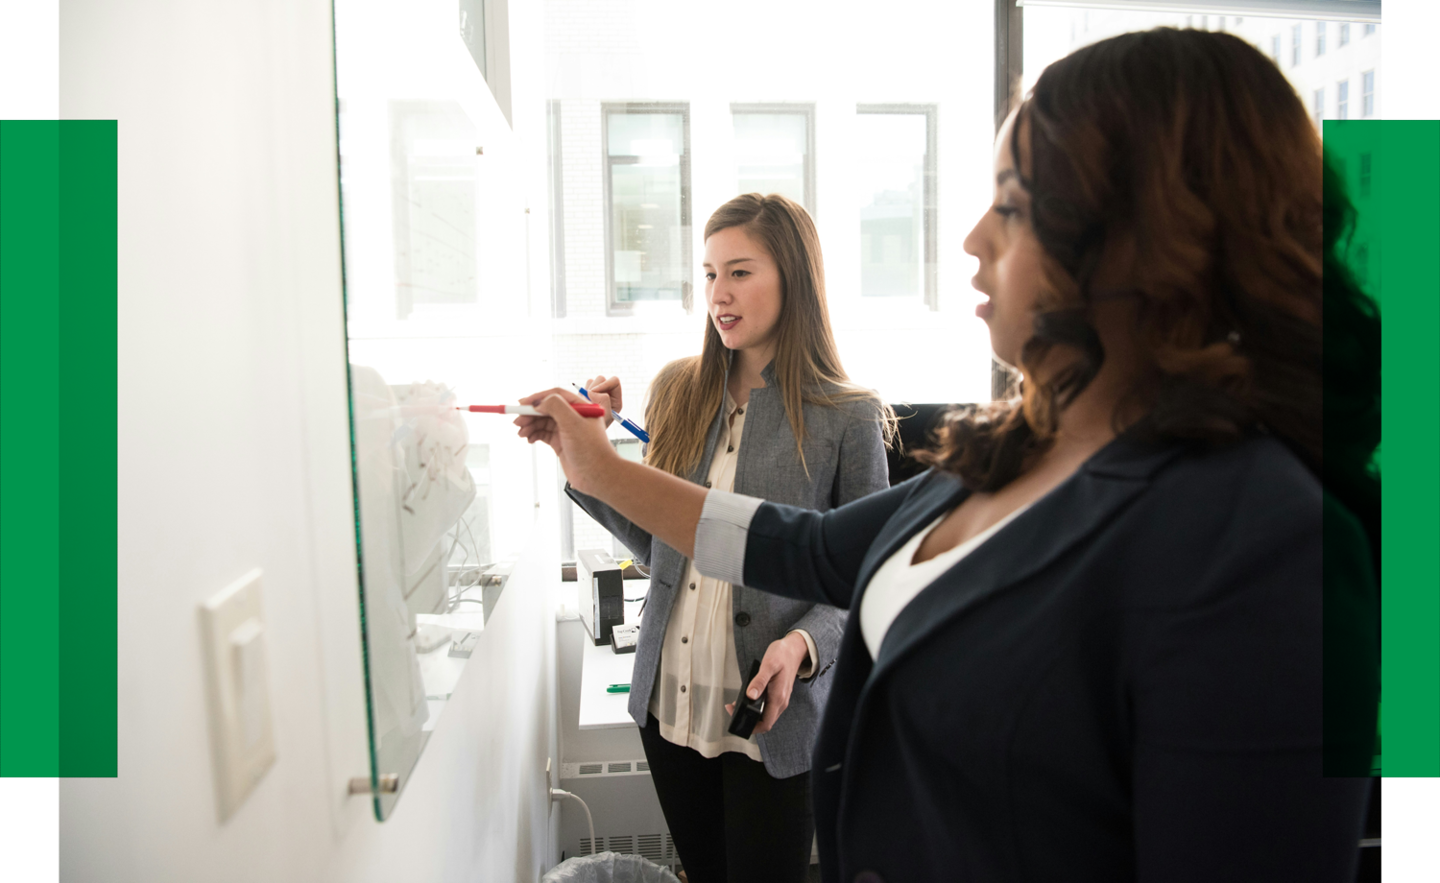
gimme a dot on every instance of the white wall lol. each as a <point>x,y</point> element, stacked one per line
<point>233,451</point>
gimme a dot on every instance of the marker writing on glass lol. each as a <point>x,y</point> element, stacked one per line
<point>631,425</point>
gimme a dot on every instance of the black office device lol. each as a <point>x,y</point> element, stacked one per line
<point>747,711</point>
<point>602,596</point>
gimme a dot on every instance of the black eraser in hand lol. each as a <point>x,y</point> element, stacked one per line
<point>747,711</point>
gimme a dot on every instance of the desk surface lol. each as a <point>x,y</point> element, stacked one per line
<point>600,667</point>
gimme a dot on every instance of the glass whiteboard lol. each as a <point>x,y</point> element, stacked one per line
<point>438,314</point>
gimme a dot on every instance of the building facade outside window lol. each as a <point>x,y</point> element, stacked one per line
<point>1342,100</point>
<point>1369,29</point>
<point>647,197</point>
<point>1367,94</point>
<point>1319,38</point>
<point>774,151</point>
<point>1295,46</point>
<point>1344,33</point>
<point>1319,107</point>
<point>1275,49</point>
<point>896,179</point>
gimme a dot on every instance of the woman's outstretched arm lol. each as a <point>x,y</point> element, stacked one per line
<point>665,506</point>
<point>784,550</point>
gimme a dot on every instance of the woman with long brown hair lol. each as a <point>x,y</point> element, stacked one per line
<point>768,375</point>
<point>1087,643</point>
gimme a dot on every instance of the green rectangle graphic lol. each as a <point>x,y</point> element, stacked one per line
<point>29,448</point>
<point>1404,173</point>
<point>88,447</point>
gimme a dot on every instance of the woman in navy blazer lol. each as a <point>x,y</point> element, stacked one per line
<point>1117,672</point>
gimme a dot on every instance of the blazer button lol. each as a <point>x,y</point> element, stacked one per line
<point>707,483</point>
<point>742,619</point>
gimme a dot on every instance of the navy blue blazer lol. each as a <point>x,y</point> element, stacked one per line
<point>1124,683</point>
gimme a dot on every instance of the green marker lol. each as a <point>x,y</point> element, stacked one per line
<point>618,688</point>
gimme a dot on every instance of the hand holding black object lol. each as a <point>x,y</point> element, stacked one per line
<point>749,711</point>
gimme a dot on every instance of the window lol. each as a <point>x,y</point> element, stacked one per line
<point>1369,29</point>
<point>1367,94</point>
<point>1275,49</point>
<point>647,157</point>
<point>472,31</point>
<point>772,151</point>
<point>554,180</point>
<point>1319,38</point>
<point>1342,100</point>
<point>1295,46</point>
<point>1319,106</point>
<point>1345,33</point>
<point>433,195</point>
<point>1365,175</point>
<point>896,182</point>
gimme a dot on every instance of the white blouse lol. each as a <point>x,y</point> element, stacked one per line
<point>699,672</point>
<point>897,581</point>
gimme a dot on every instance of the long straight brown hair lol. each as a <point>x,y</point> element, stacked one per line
<point>687,393</point>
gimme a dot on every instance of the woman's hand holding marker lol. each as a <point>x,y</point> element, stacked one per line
<point>605,391</point>
<point>580,443</point>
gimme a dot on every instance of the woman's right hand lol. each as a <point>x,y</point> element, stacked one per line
<point>580,442</point>
<point>606,393</point>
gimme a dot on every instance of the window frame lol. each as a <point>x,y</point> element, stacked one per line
<point>1320,38</point>
<point>1009,23</point>
<point>798,108</point>
<point>555,179</point>
<point>1342,99</point>
<point>614,307</point>
<point>1344,39</point>
<point>1367,93</point>
<point>1297,42</point>
<point>929,189</point>
<point>1318,108</point>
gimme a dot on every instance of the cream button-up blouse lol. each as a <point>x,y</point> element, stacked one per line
<point>699,672</point>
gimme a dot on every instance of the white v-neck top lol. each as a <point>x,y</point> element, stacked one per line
<point>897,581</point>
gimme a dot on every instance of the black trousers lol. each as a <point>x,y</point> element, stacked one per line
<point>730,819</point>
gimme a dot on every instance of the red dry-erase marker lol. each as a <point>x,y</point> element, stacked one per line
<point>581,408</point>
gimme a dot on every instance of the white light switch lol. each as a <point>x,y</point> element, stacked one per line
<point>234,631</point>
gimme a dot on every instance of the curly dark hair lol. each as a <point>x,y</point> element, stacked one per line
<point>1183,162</point>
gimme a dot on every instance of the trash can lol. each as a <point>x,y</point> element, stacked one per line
<point>609,867</point>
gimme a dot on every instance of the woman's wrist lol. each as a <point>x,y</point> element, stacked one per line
<point>799,650</point>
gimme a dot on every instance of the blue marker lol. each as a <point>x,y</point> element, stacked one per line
<point>631,425</point>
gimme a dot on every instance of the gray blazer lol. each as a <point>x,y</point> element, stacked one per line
<point>845,453</point>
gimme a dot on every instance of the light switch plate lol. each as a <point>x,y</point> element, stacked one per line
<point>233,626</point>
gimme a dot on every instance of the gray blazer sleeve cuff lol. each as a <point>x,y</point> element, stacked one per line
<point>720,535</point>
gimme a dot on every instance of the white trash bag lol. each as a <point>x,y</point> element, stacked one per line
<point>609,867</point>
